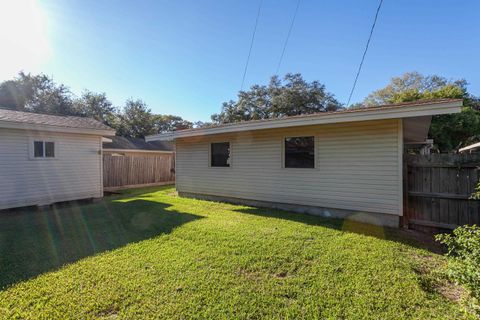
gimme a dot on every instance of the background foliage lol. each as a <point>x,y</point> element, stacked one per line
<point>40,94</point>
<point>287,96</point>
<point>450,132</point>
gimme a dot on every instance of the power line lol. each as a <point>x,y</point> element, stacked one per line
<point>364,52</point>
<point>288,37</point>
<point>251,44</point>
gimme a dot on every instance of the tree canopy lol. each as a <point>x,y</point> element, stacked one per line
<point>40,94</point>
<point>449,132</point>
<point>289,96</point>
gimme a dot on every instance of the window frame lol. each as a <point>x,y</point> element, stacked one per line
<point>210,154</point>
<point>315,166</point>
<point>31,148</point>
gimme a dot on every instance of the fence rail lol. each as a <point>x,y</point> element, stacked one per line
<point>439,189</point>
<point>126,171</point>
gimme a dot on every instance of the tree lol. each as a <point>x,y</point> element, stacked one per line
<point>136,121</point>
<point>167,123</point>
<point>36,93</point>
<point>40,94</point>
<point>449,132</point>
<point>97,106</point>
<point>292,96</point>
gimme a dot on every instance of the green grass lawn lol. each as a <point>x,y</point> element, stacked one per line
<point>150,254</point>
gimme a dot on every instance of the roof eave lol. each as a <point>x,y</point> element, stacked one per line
<point>414,110</point>
<point>50,128</point>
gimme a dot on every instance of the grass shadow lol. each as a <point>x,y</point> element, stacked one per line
<point>34,240</point>
<point>407,237</point>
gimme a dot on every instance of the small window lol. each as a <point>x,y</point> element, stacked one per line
<point>220,154</point>
<point>300,152</point>
<point>43,149</point>
<point>38,149</point>
<point>49,149</point>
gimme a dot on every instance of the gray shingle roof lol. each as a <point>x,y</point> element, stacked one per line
<point>137,144</point>
<point>51,120</point>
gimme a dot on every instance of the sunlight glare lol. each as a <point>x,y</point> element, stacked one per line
<point>23,37</point>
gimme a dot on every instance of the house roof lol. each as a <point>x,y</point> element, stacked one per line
<point>392,111</point>
<point>35,121</point>
<point>470,147</point>
<point>135,144</point>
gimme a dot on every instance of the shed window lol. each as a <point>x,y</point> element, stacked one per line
<point>220,154</point>
<point>43,149</point>
<point>299,152</point>
<point>38,149</point>
<point>49,149</point>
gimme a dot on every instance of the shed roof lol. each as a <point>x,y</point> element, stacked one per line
<point>470,147</point>
<point>392,111</point>
<point>123,143</point>
<point>35,121</point>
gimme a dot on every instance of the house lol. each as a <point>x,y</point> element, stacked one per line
<point>121,146</point>
<point>342,164</point>
<point>46,159</point>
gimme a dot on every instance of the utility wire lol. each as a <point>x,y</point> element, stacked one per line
<point>288,37</point>
<point>364,52</point>
<point>251,44</point>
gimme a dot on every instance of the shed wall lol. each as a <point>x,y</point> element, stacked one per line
<point>358,166</point>
<point>76,173</point>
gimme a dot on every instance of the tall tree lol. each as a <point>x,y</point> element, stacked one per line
<point>449,132</point>
<point>36,93</point>
<point>97,106</point>
<point>136,120</point>
<point>167,123</point>
<point>288,97</point>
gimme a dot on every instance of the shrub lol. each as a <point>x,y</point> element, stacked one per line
<point>464,252</point>
<point>476,194</point>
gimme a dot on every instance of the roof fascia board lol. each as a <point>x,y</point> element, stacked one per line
<point>49,128</point>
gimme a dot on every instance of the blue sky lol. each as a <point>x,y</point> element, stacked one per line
<point>187,57</point>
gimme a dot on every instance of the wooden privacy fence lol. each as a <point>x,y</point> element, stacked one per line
<point>133,171</point>
<point>439,188</point>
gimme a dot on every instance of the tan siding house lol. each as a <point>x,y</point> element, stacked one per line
<point>46,159</point>
<point>341,164</point>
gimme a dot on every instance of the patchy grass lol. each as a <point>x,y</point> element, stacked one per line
<point>150,254</point>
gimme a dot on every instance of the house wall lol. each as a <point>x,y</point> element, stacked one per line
<point>75,173</point>
<point>358,167</point>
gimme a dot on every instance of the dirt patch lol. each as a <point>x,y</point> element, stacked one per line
<point>431,272</point>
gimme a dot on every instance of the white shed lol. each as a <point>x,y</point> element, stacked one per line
<point>347,163</point>
<point>46,159</point>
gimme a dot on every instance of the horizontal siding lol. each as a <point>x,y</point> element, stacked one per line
<point>357,167</point>
<point>74,174</point>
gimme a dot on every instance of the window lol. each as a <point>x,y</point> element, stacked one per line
<point>43,149</point>
<point>49,149</point>
<point>300,152</point>
<point>220,154</point>
<point>38,149</point>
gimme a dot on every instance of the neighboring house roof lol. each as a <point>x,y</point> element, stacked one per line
<point>137,145</point>
<point>470,147</point>
<point>392,111</point>
<point>46,122</point>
